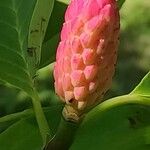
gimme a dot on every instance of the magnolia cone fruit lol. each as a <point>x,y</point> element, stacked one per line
<point>86,55</point>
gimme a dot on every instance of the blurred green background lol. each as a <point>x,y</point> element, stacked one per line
<point>133,62</point>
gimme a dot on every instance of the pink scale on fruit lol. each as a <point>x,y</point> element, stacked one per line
<point>77,78</point>
<point>92,86</point>
<point>102,3</point>
<point>66,65</point>
<point>77,62</point>
<point>60,50</point>
<point>59,89</point>
<point>68,96</point>
<point>56,71</point>
<point>107,11</point>
<point>89,56</point>
<point>90,72</point>
<point>101,47</point>
<point>76,46</point>
<point>85,38</point>
<point>91,11</point>
<point>93,23</point>
<point>67,85</point>
<point>80,93</point>
<point>66,31</point>
<point>77,26</point>
<point>74,8</point>
<point>67,49</point>
<point>59,63</point>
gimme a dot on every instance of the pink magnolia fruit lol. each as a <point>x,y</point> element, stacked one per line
<point>86,55</point>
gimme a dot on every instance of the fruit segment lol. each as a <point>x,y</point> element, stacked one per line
<point>86,55</point>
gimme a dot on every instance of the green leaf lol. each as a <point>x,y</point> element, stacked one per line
<point>15,17</point>
<point>10,119</point>
<point>120,3</point>
<point>52,34</point>
<point>17,65</point>
<point>16,116</point>
<point>48,51</point>
<point>2,82</point>
<point>123,122</point>
<point>38,26</point>
<point>121,128</point>
<point>5,125</point>
<point>144,86</point>
<point>25,135</point>
<point>56,19</point>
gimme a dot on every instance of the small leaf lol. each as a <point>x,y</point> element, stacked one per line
<point>56,19</point>
<point>144,86</point>
<point>52,34</point>
<point>38,26</point>
<point>120,3</point>
<point>48,51</point>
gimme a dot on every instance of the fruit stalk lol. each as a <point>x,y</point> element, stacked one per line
<point>66,131</point>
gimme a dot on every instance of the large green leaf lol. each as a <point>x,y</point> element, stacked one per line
<point>15,17</point>
<point>22,28</point>
<point>19,20</point>
<point>121,128</point>
<point>52,34</point>
<point>25,135</point>
<point>117,123</point>
<point>144,86</point>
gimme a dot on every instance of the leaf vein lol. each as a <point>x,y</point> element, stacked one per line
<point>12,50</point>
<point>15,65</point>
<point>17,79</point>
<point>9,25</point>
<point>11,9</point>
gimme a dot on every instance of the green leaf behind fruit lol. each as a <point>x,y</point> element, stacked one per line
<point>143,88</point>
<point>52,34</point>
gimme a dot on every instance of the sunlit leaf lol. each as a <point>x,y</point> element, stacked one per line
<point>144,86</point>
<point>125,126</point>
<point>121,128</point>
<point>15,17</point>
<point>37,29</point>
